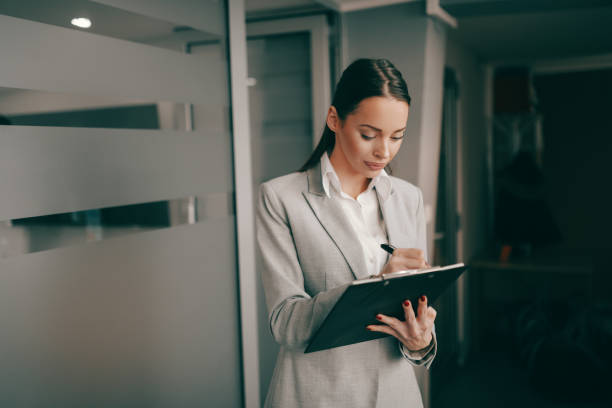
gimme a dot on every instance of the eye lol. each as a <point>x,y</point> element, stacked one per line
<point>397,138</point>
<point>367,137</point>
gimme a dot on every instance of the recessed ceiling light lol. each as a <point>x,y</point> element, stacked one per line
<point>81,22</point>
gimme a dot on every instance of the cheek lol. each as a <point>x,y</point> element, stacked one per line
<point>363,150</point>
<point>356,146</point>
<point>395,148</point>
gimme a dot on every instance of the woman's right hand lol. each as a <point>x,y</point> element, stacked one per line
<point>404,259</point>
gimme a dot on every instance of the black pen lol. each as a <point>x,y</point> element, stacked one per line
<point>387,247</point>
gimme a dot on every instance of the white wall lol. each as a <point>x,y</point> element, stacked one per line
<point>472,148</point>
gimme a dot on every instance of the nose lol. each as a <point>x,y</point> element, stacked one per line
<point>381,149</point>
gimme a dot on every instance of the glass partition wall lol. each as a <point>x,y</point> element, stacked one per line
<point>118,267</point>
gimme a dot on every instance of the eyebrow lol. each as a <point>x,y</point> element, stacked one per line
<point>379,130</point>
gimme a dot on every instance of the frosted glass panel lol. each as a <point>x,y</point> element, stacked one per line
<point>34,234</point>
<point>26,107</point>
<point>57,59</point>
<point>50,170</point>
<point>141,320</point>
<point>124,118</point>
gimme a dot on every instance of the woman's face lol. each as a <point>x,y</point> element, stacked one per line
<point>369,137</point>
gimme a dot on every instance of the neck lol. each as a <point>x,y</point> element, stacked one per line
<point>352,182</point>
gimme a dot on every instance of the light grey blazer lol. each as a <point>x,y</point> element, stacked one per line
<point>311,253</point>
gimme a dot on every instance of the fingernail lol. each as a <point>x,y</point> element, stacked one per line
<point>423,298</point>
<point>368,328</point>
<point>379,317</point>
<point>406,303</point>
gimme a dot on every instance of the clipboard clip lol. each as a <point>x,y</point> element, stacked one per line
<point>398,274</point>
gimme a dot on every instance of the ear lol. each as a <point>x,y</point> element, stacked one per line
<point>333,121</point>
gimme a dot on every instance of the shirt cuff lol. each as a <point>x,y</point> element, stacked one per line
<point>418,354</point>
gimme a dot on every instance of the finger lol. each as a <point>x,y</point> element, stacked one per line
<point>422,310</point>
<point>390,321</point>
<point>401,263</point>
<point>383,329</point>
<point>412,263</point>
<point>409,253</point>
<point>431,314</point>
<point>407,261</point>
<point>394,265</point>
<point>409,312</point>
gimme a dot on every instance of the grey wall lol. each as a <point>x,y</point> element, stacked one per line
<point>472,148</point>
<point>471,172</point>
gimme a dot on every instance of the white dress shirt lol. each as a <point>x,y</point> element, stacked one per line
<point>365,215</point>
<point>363,212</point>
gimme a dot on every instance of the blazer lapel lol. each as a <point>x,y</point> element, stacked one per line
<point>391,217</point>
<point>331,216</point>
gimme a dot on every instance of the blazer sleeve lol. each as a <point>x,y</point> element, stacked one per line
<point>426,356</point>
<point>293,314</point>
<point>422,357</point>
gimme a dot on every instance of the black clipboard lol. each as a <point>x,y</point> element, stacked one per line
<point>363,299</point>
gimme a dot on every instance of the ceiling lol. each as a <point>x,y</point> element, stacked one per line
<point>573,32</point>
<point>581,28</point>
<point>107,20</point>
<point>538,35</point>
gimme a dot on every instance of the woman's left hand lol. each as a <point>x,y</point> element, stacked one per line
<point>416,331</point>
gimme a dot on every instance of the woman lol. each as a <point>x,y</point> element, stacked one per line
<point>320,228</point>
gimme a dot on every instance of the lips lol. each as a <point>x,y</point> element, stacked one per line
<point>374,165</point>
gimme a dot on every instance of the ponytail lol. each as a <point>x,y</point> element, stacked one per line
<point>326,144</point>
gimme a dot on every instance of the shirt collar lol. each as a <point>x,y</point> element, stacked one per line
<point>382,182</point>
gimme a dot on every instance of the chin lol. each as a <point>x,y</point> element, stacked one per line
<point>372,173</point>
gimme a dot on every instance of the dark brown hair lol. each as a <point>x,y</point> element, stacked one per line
<point>362,79</point>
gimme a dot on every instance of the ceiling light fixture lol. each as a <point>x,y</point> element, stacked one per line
<point>81,22</point>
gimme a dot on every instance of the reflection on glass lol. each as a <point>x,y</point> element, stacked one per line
<point>27,107</point>
<point>126,117</point>
<point>33,234</point>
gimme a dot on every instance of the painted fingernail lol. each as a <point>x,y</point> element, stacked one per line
<point>379,317</point>
<point>423,298</point>
<point>368,328</point>
<point>406,303</point>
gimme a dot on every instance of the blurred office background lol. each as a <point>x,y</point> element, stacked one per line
<point>131,152</point>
